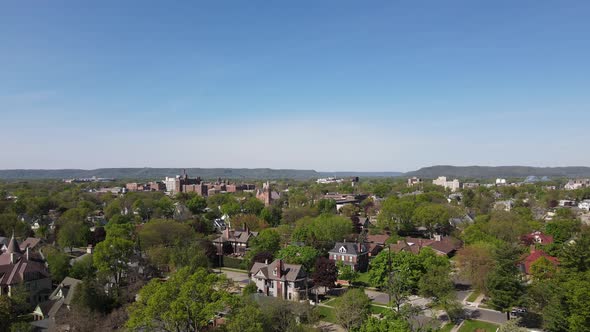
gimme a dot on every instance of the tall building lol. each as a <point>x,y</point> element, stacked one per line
<point>452,185</point>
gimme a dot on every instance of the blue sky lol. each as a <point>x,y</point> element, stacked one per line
<point>325,85</point>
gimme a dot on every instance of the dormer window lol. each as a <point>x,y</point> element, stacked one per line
<point>342,250</point>
<point>274,272</point>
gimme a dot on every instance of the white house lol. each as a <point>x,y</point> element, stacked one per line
<point>452,185</point>
<point>585,205</point>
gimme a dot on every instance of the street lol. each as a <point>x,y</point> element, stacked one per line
<point>382,298</point>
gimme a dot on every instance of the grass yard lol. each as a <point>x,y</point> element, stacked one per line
<point>375,309</point>
<point>472,297</point>
<point>447,328</point>
<point>327,314</point>
<point>363,279</point>
<point>474,325</point>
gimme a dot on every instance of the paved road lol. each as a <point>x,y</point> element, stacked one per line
<point>383,299</point>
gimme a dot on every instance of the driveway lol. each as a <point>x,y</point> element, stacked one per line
<point>239,277</point>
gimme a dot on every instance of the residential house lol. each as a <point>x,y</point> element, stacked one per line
<point>566,203</point>
<point>352,254</point>
<point>60,300</point>
<point>277,279</point>
<point>506,205</point>
<point>536,237</point>
<point>376,243</point>
<point>18,267</point>
<point>345,199</point>
<point>577,184</point>
<point>462,221</point>
<point>584,205</point>
<point>233,241</point>
<point>530,259</point>
<point>442,245</point>
<point>359,223</point>
<point>414,181</point>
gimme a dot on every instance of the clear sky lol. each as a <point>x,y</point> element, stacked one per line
<point>325,85</point>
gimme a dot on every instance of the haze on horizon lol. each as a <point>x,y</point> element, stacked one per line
<point>330,86</point>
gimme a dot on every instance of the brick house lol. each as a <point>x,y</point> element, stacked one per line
<point>352,254</point>
<point>18,267</point>
<point>277,279</point>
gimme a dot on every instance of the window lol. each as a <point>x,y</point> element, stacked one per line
<point>350,258</point>
<point>343,258</point>
<point>335,257</point>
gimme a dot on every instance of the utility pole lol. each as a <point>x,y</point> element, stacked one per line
<point>389,273</point>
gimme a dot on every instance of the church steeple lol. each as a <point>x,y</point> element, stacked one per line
<point>13,247</point>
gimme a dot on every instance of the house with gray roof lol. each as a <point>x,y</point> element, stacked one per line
<point>353,254</point>
<point>234,241</point>
<point>61,299</point>
<point>278,279</point>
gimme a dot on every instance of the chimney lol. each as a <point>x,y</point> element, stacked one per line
<point>27,253</point>
<point>280,268</point>
<point>89,249</point>
<point>437,237</point>
<point>266,261</point>
<point>227,232</point>
<point>360,247</point>
<point>12,258</point>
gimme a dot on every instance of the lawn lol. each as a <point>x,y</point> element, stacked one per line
<point>375,309</point>
<point>472,297</point>
<point>327,314</point>
<point>447,328</point>
<point>363,279</point>
<point>473,325</point>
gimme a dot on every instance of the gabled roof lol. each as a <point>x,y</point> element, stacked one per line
<point>236,236</point>
<point>349,248</point>
<point>377,238</point>
<point>30,242</point>
<point>67,288</point>
<point>534,256</point>
<point>288,272</point>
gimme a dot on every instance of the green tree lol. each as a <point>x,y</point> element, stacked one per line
<point>186,302</point>
<point>504,283</point>
<point>252,205</point>
<point>196,204</point>
<point>272,215</point>
<point>83,268</point>
<point>59,264</point>
<point>436,283</point>
<point>327,206</point>
<point>245,318</point>
<point>6,313</point>
<point>431,216</point>
<point>346,272</point>
<point>267,240</point>
<point>71,234</point>
<point>112,256</point>
<point>305,255</point>
<point>396,214</point>
<point>543,268</point>
<point>390,322</point>
<point>353,310</point>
